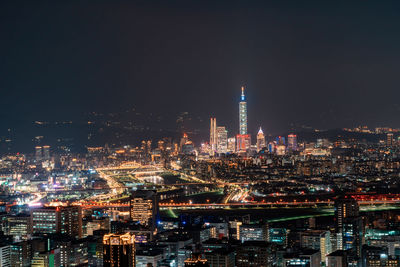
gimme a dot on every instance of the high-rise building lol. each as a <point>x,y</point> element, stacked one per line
<point>213,135</point>
<point>183,141</point>
<point>280,140</point>
<point>73,252</point>
<point>38,153</point>
<point>18,227</point>
<point>45,220</point>
<point>5,255</point>
<point>71,221</point>
<point>222,139</point>
<point>196,261</point>
<point>231,144</point>
<point>119,250</point>
<point>46,152</point>
<point>389,139</point>
<point>46,259</point>
<point>254,253</point>
<point>50,220</point>
<point>337,259</point>
<point>242,114</point>
<point>260,140</point>
<point>221,257</point>
<point>318,240</point>
<point>253,232</point>
<point>348,224</point>
<point>144,207</point>
<point>345,207</point>
<point>292,142</point>
<point>243,142</point>
<point>21,254</point>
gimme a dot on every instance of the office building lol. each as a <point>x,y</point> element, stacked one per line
<point>222,140</point>
<point>144,208</point>
<point>18,227</point>
<point>151,256</point>
<point>5,255</point>
<point>183,141</point>
<point>62,219</point>
<point>71,221</point>
<point>254,253</point>
<point>73,252</point>
<point>213,135</point>
<point>221,258</point>
<point>389,139</point>
<point>46,259</point>
<point>196,261</point>
<point>46,152</point>
<point>348,224</point>
<point>21,254</point>
<point>253,232</point>
<point>119,250</point>
<point>278,236</point>
<point>260,140</point>
<point>38,153</point>
<point>292,142</point>
<point>306,257</point>
<point>345,207</point>
<point>231,145</point>
<point>45,220</point>
<point>337,258</point>
<point>318,240</point>
<point>243,142</point>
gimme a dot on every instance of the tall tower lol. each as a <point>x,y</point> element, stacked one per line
<point>242,114</point>
<point>213,135</point>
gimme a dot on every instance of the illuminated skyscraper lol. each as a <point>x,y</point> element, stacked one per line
<point>292,142</point>
<point>183,141</point>
<point>243,140</point>
<point>280,140</point>
<point>213,135</point>
<point>243,114</point>
<point>71,221</point>
<point>222,139</point>
<point>38,153</point>
<point>348,224</point>
<point>119,250</point>
<point>46,152</point>
<point>231,144</point>
<point>260,140</point>
<point>50,220</point>
<point>389,139</point>
<point>144,208</point>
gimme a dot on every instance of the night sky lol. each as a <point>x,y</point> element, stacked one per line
<point>326,64</point>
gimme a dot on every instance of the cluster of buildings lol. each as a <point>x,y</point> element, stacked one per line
<point>220,143</point>
<point>108,207</point>
<point>76,236</point>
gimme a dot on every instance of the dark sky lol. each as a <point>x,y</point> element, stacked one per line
<point>322,63</point>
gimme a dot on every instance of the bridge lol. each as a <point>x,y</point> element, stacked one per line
<point>275,204</point>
